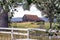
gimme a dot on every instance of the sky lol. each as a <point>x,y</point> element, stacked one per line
<point>21,12</point>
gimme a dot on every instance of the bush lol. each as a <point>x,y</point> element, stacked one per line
<point>38,23</point>
<point>50,34</point>
<point>32,23</point>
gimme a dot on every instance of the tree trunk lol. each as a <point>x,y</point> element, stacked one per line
<point>50,25</point>
<point>51,20</point>
<point>4,19</point>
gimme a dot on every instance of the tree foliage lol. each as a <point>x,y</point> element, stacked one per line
<point>7,5</point>
<point>49,8</point>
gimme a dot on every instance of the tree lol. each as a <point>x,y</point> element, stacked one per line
<point>3,15</point>
<point>49,8</point>
<point>58,21</point>
<point>5,6</point>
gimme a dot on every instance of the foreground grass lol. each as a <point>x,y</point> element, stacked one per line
<point>8,37</point>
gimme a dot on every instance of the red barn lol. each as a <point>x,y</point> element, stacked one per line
<point>34,18</point>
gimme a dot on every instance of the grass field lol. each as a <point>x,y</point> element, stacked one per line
<point>32,25</point>
<point>25,25</point>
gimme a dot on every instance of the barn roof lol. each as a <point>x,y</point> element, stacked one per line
<point>31,17</point>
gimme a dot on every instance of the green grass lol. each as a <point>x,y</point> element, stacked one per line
<point>32,25</point>
<point>25,25</point>
<point>47,25</point>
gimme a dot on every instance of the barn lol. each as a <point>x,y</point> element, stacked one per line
<point>32,18</point>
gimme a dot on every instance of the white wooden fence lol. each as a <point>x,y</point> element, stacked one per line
<point>18,33</point>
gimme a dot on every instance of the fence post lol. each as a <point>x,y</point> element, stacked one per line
<point>12,34</point>
<point>28,34</point>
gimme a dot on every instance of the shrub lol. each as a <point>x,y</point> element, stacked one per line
<point>32,23</point>
<point>38,23</point>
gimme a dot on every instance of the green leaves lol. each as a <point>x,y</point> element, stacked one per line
<point>49,8</point>
<point>50,34</point>
<point>29,2</point>
<point>12,1</point>
<point>4,1</point>
<point>26,5</point>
